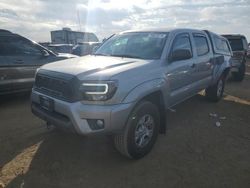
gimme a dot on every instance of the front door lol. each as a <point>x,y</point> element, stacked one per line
<point>23,58</point>
<point>179,73</point>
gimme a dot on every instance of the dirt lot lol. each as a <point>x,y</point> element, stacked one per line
<point>194,152</point>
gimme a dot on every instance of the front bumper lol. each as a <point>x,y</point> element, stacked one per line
<point>75,116</point>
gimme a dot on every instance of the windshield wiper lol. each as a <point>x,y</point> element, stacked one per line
<point>100,54</point>
<point>126,55</point>
<point>119,55</point>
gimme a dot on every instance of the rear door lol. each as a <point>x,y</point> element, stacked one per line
<point>202,74</point>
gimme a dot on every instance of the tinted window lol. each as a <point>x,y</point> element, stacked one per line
<point>245,44</point>
<point>201,45</point>
<point>15,46</point>
<point>61,49</point>
<point>221,45</point>
<point>8,46</point>
<point>236,44</point>
<point>90,37</point>
<point>182,42</point>
<point>81,50</point>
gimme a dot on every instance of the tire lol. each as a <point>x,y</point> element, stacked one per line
<point>136,147</point>
<point>215,92</point>
<point>239,76</point>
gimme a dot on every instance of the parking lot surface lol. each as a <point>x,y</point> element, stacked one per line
<point>195,152</point>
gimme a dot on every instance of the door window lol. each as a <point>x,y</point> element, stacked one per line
<point>245,44</point>
<point>182,42</point>
<point>17,46</point>
<point>201,45</point>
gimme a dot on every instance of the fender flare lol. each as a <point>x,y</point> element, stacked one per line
<point>220,66</point>
<point>144,89</point>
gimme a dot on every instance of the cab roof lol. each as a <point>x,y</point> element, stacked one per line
<point>234,36</point>
<point>166,30</point>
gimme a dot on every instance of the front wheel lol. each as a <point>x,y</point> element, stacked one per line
<point>141,131</point>
<point>215,92</point>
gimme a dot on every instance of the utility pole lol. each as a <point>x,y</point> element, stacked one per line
<point>79,21</point>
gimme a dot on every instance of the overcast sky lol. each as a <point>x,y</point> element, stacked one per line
<point>35,18</point>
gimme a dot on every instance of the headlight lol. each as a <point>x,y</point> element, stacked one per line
<point>99,90</point>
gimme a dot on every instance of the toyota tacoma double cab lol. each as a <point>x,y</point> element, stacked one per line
<point>126,86</point>
<point>239,47</point>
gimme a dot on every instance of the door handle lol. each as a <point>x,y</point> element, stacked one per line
<point>193,65</point>
<point>18,61</point>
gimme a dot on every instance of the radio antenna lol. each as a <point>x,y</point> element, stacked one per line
<point>79,21</point>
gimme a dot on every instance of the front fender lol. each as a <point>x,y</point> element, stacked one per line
<point>144,89</point>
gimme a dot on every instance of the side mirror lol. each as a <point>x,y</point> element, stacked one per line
<point>103,40</point>
<point>180,54</point>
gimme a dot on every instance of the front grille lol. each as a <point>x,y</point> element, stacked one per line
<point>51,85</point>
<point>63,87</point>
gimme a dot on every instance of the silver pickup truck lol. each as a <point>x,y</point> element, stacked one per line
<point>124,88</point>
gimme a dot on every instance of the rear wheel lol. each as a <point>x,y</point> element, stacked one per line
<point>215,92</point>
<point>239,76</point>
<point>141,131</point>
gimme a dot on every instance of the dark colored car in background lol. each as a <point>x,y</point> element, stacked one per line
<point>61,48</point>
<point>239,47</point>
<point>248,51</point>
<point>19,60</point>
<point>85,48</point>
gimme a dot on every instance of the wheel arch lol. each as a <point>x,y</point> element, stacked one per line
<point>152,91</point>
<point>158,99</point>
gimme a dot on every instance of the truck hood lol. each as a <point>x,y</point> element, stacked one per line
<point>94,67</point>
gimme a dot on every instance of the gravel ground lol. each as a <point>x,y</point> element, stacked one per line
<point>194,152</point>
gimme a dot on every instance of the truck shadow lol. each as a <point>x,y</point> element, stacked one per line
<point>65,160</point>
<point>14,99</point>
<point>19,129</point>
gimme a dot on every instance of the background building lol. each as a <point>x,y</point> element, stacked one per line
<point>67,36</point>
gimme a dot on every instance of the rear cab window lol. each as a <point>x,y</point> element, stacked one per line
<point>221,45</point>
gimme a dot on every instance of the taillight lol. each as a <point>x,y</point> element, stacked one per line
<point>238,54</point>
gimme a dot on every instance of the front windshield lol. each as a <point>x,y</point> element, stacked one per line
<point>143,45</point>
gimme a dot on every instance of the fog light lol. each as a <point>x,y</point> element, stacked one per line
<point>100,123</point>
<point>96,124</point>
